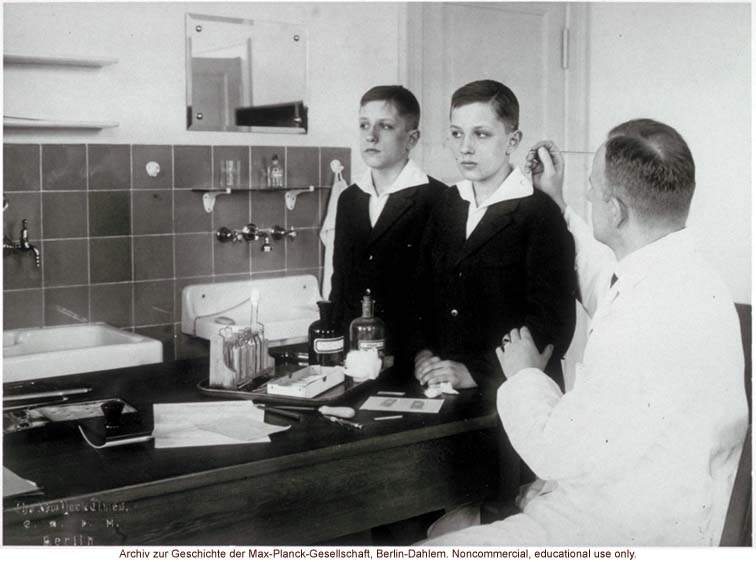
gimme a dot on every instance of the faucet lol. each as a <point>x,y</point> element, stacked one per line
<point>23,245</point>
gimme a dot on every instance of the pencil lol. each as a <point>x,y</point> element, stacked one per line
<point>282,413</point>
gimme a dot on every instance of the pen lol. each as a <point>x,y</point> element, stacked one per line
<point>284,413</point>
<point>35,405</point>
<point>49,394</point>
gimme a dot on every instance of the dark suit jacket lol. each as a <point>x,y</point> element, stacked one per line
<point>516,269</point>
<point>381,258</point>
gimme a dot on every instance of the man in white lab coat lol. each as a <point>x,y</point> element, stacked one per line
<point>644,449</point>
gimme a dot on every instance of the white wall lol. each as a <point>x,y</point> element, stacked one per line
<point>688,65</point>
<point>351,48</point>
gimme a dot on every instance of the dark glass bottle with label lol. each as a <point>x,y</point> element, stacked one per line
<point>325,339</point>
<point>367,331</point>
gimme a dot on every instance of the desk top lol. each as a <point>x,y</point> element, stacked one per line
<point>57,458</point>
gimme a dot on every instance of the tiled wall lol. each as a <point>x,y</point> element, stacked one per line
<point>118,246</point>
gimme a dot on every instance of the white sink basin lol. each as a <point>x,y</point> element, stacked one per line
<point>287,307</point>
<point>34,353</point>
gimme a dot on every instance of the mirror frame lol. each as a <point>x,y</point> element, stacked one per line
<point>300,110</point>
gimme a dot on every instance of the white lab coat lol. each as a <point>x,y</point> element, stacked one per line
<point>328,230</point>
<point>644,449</point>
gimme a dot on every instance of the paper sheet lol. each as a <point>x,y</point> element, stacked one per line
<point>199,424</point>
<point>410,405</point>
<point>14,485</point>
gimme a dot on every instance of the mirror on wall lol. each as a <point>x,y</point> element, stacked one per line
<point>245,75</point>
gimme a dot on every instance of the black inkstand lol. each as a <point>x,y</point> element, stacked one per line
<point>115,427</point>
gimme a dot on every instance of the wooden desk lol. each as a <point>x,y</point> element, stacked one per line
<point>314,482</point>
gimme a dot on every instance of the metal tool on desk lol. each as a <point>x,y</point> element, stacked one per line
<point>343,422</point>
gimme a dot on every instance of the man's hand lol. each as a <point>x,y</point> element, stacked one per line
<point>546,165</point>
<point>434,370</point>
<point>518,351</point>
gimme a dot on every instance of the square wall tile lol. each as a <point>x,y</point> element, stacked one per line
<point>232,210</point>
<point>302,166</point>
<point>153,302</point>
<point>64,214</point>
<point>268,209</point>
<point>68,305</point>
<point>240,153</point>
<point>64,166</point>
<point>23,206</point>
<point>306,212</point>
<point>109,166</point>
<point>194,254</point>
<point>231,257</point>
<point>188,212</point>
<point>110,260</point>
<point>164,334</point>
<point>109,213</point>
<point>304,251</point>
<point>153,257</point>
<point>66,263</point>
<point>268,261</point>
<point>20,271</point>
<point>22,309</point>
<point>142,154</point>
<point>21,167</point>
<point>327,155</point>
<point>261,159</point>
<point>153,211</point>
<point>112,304</point>
<point>192,166</point>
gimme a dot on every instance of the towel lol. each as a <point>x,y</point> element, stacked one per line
<point>328,230</point>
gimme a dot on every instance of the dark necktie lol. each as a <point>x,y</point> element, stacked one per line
<point>613,281</point>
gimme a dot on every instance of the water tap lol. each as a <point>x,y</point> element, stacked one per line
<point>23,245</point>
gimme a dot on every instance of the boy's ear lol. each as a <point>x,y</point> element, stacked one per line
<point>514,141</point>
<point>414,138</point>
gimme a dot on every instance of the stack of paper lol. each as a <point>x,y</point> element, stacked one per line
<point>14,485</point>
<point>199,424</point>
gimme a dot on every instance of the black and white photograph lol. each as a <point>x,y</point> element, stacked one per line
<point>364,280</point>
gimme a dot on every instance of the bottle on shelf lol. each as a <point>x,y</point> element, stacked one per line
<point>325,339</point>
<point>275,173</point>
<point>367,331</point>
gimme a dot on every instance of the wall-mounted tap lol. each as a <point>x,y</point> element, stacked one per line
<point>252,232</point>
<point>23,245</point>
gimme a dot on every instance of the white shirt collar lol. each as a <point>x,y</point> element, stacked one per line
<point>669,249</point>
<point>410,176</point>
<point>514,186</point>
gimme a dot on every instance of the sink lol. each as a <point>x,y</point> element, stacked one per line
<point>54,351</point>
<point>287,307</point>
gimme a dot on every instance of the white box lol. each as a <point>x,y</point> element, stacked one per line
<point>307,382</point>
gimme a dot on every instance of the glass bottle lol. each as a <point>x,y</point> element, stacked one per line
<point>325,339</point>
<point>367,331</point>
<point>275,173</point>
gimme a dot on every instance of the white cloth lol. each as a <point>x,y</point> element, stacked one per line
<point>410,176</point>
<point>514,186</point>
<point>644,449</point>
<point>328,230</point>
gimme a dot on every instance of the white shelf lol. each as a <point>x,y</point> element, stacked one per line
<point>50,60</point>
<point>13,123</point>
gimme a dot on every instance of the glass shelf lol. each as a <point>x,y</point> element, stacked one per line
<point>58,60</point>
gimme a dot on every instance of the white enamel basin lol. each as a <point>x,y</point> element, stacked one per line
<point>287,307</point>
<point>34,353</point>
